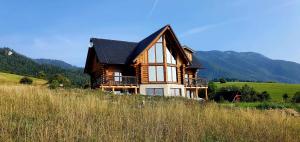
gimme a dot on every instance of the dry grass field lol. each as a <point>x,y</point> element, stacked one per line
<point>31,113</point>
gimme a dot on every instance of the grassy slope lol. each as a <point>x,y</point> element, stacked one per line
<point>276,90</point>
<point>6,78</point>
<point>85,115</point>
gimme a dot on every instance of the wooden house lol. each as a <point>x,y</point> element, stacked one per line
<point>157,65</point>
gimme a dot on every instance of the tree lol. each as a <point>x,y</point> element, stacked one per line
<point>59,80</point>
<point>296,97</point>
<point>222,80</point>
<point>26,80</point>
<point>212,90</point>
<point>41,75</point>
<point>285,97</point>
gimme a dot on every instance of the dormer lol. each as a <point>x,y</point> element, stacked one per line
<point>189,52</point>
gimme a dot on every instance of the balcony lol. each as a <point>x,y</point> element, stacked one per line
<point>116,81</point>
<point>195,82</point>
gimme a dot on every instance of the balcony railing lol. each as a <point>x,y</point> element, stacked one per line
<point>195,82</point>
<point>116,81</point>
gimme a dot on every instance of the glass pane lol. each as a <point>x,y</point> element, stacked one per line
<point>159,53</point>
<point>151,55</point>
<point>160,73</point>
<point>117,79</point>
<point>174,74</point>
<point>152,74</point>
<point>159,92</point>
<point>173,59</point>
<point>169,73</point>
<point>149,91</point>
<point>160,39</point>
<point>168,56</point>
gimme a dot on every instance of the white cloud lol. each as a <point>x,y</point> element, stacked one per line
<point>153,7</point>
<point>204,28</point>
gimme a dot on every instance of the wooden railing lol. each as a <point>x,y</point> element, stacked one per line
<point>116,81</point>
<point>195,82</point>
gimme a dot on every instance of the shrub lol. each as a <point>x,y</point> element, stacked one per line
<point>54,84</point>
<point>26,80</point>
<point>59,80</point>
<point>227,93</point>
<point>296,97</point>
<point>264,96</point>
<point>285,97</point>
<point>212,90</point>
<point>248,94</point>
<point>222,80</point>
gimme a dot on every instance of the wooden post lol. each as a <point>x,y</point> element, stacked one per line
<point>113,89</point>
<point>196,92</point>
<point>135,90</point>
<point>206,95</point>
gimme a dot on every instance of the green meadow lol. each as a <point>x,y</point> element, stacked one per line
<point>276,90</point>
<point>7,78</point>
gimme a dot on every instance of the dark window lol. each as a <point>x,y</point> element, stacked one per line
<point>155,91</point>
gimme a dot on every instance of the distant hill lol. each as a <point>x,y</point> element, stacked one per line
<point>15,63</point>
<point>57,63</point>
<point>247,66</point>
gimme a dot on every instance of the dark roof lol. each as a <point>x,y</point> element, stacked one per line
<point>113,51</point>
<point>187,48</point>
<point>124,52</point>
<point>145,42</point>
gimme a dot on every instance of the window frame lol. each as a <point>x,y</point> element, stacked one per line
<point>154,91</point>
<point>119,76</point>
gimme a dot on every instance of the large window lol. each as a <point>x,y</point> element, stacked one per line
<point>157,66</point>
<point>156,73</point>
<point>155,53</point>
<point>155,91</point>
<point>172,74</point>
<point>170,57</point>
<point>175,92</point>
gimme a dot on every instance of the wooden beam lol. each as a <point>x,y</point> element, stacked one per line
<point>206,95</point>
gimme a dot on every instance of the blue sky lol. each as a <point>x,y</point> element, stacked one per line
<point>60,29</point>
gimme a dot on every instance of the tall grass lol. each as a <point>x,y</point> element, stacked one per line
<point>38,114</point>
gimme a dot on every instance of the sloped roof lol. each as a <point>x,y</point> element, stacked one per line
<point>113,51</point>
<point>145,42</point>
<point>124,52</point>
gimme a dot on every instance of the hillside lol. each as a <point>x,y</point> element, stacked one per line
<point>12,79</point>
<point>247,66</point>
<point>57,63</point>
<point>15,63</point>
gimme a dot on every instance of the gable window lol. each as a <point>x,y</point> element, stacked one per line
<point>118,76</point>
<point>155,53</point>
<point>172,74</point>
<point>156,73</point>
<point>170,57</point>
<point>156,60</point>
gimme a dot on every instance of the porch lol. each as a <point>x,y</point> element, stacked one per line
<point>194,85</point>
<point>117,83</point>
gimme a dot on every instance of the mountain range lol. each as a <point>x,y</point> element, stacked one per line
<point>248,66</point>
